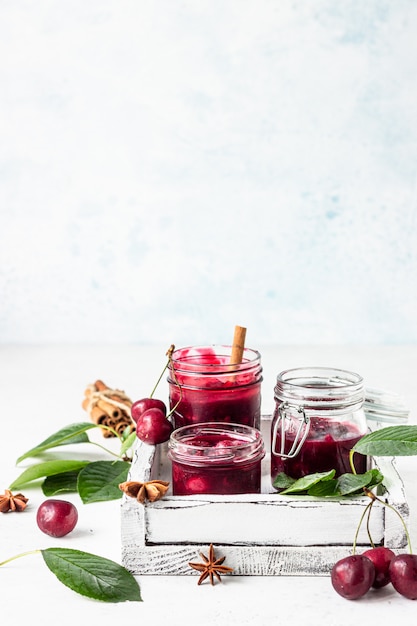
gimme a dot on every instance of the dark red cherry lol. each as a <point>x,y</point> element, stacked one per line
<point>153,427</point>
<point>56,517</point>
<point>353,576</point>
<point>140,406</point>
<point>403,574</point>
<point>381,557</point>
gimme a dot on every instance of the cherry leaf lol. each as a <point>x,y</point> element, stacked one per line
<point>389,441</point>
<point>58,483</point>
<point>351,483</point>
<point>283,481</point>
<point>128,443</point>
<point>74,433</point>
<point>92,576</point>
<point>304,483</point>
<point>100,480</point>
<point>48,468</point>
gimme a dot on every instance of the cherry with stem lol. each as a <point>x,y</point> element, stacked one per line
<point>353,576</point>
<point>150,414</point>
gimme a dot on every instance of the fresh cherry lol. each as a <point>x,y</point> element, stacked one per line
<point>56,517</point>
<point>140,406</point>
<point>353,576</point>
<point>381,557</point>
<point>153,427</point>
<point>403,574</point>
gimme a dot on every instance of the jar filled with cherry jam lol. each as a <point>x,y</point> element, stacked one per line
<point>216,458</point>
<point>205,387</point>
<point>317,420</point>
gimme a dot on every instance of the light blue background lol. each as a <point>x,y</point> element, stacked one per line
<point>169,169</point>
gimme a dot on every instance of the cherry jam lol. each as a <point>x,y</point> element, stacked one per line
<point>216,458</point>
<point>325,449</point>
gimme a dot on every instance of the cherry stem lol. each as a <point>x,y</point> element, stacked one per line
<point>374,497</point>
<point>102,447</point>
<point>105,449</point>
<point>368,530</point>
<point>17,556</point>
<point>366,510</point>
<point>169,355</point>
<point>352,466</point>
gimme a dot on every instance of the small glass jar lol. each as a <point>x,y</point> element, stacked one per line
<point>205,387</point>
<point>317,420</point>
<point>216,458</point>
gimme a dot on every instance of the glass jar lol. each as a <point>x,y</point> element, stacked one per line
<point>384,408</point>
<point>205,387</point>
<point>216,458</point>
<point>318,418</point>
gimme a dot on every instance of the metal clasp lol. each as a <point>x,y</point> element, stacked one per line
<point>299,438</point>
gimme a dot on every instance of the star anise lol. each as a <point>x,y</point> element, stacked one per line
<point>211,567</point>
<point>151,490</point>
<point>10,502</point>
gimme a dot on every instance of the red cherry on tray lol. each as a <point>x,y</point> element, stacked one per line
<point>142,405</point>
<point>153,427</point>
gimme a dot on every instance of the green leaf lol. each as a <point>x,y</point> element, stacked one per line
<point>324,485</point>
<point>100,480</point>
<point>128,443</point>
<point>127,431</point>
<point>92,576</point>
<point>304,483</point>
<point>58,483</point>
<point>324,489</point>
<point>74,433</point>
<point>376,479</point>
<point>389,441</point>
<point>282,481</point>
<point>48,468</point>
<point>350,483</point>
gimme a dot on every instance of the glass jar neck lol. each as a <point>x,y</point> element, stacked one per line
<point>320,390</point>
<point>244,444</point>
<point>210,366</point>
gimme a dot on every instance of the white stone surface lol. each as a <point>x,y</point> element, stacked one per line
<point>170,169</point>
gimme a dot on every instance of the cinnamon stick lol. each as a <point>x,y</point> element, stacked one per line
<point>107,407</point>
<point>238,345</point>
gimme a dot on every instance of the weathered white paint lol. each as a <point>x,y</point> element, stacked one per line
<point>265,534</point>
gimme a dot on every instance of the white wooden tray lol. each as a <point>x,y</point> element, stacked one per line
<point>260,534</point>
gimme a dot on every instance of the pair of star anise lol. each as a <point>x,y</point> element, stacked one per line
<point>151,490</point>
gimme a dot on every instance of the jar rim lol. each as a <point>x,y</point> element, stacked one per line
<point>249,444</point>
<point>318,388</point>
<point>189,358</point>
<point>336,377</point>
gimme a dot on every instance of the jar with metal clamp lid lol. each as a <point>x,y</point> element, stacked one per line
<point>318,418</point>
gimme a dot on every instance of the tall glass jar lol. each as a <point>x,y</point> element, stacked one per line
<point>216,458</point>
<point>318,418</point>
<point>205,387</point>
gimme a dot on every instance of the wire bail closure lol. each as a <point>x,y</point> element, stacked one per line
<point>299,438</point>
